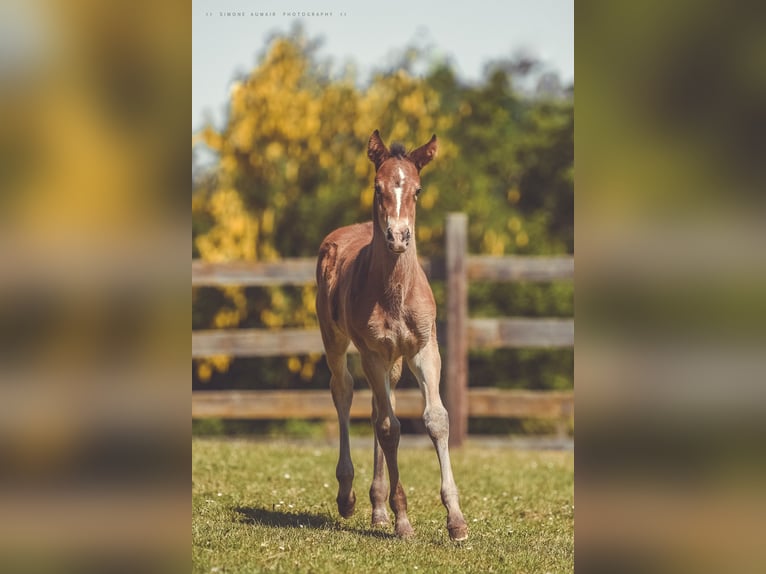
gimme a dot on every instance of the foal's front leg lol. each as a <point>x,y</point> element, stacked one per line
<point>387,430</point>
<point>426,366</point>
<point>379,486</point>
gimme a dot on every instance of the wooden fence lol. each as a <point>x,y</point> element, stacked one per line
<point>462,334</point>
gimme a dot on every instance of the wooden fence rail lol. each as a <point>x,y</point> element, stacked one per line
<point>301,270</point>
<point>462,334</point>
<point>482,402</point>
<point>482,334</point>
<point>253,273</point>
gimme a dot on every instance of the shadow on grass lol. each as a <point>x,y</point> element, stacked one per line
<point>279,519</point>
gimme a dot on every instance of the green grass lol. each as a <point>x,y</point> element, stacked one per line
<point>270,507</point>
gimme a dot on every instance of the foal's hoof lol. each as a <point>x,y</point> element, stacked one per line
<point>346,506</point>
<point>404,530</point>
<point>458,532</point>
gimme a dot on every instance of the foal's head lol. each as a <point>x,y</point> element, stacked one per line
<point>397,185</point>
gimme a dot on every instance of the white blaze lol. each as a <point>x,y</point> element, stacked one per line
<point>398,192</point>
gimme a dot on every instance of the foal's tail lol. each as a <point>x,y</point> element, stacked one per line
<point>327,280</point>
<point>326,273</point>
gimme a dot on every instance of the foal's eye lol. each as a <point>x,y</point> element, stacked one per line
<point>417,192</point>
<point>378,190</point>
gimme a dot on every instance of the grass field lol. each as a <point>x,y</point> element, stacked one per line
<point>270,506</point>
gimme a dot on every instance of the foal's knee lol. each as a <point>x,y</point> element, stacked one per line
<point>388,430</point>
<point>437,422</point>
<point>342,392</point>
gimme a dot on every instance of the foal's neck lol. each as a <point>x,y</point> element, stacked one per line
<point>395,273</point>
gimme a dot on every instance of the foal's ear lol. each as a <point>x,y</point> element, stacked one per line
<point>377,150</point>
<point>424,154</point>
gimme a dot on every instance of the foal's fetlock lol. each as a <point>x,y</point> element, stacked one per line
<point>346,504</point>
<point>378,493</point>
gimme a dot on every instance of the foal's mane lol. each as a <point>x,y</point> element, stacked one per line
<point>398,150</point>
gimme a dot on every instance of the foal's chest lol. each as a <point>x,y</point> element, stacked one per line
<point>398,333</point>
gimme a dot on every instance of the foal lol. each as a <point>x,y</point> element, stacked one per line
<point>372,291</point>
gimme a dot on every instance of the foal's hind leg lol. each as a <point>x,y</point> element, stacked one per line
<point>379,486</point>
<point>426,366</point>
<point>342,387</point>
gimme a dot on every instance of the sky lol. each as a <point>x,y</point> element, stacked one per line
<point>468,33</point>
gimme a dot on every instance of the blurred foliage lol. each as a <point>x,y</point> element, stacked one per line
<point>291,166</point>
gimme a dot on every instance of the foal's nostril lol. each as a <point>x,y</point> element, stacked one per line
<point>389,234</point>
<point>407,235</point>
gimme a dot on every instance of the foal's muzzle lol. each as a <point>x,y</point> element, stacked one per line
<point>398,238</point>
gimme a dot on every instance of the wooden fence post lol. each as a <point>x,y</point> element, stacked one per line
<point>456,381</point>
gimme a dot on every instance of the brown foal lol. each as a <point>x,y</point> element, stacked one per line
<point>373,291</point>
